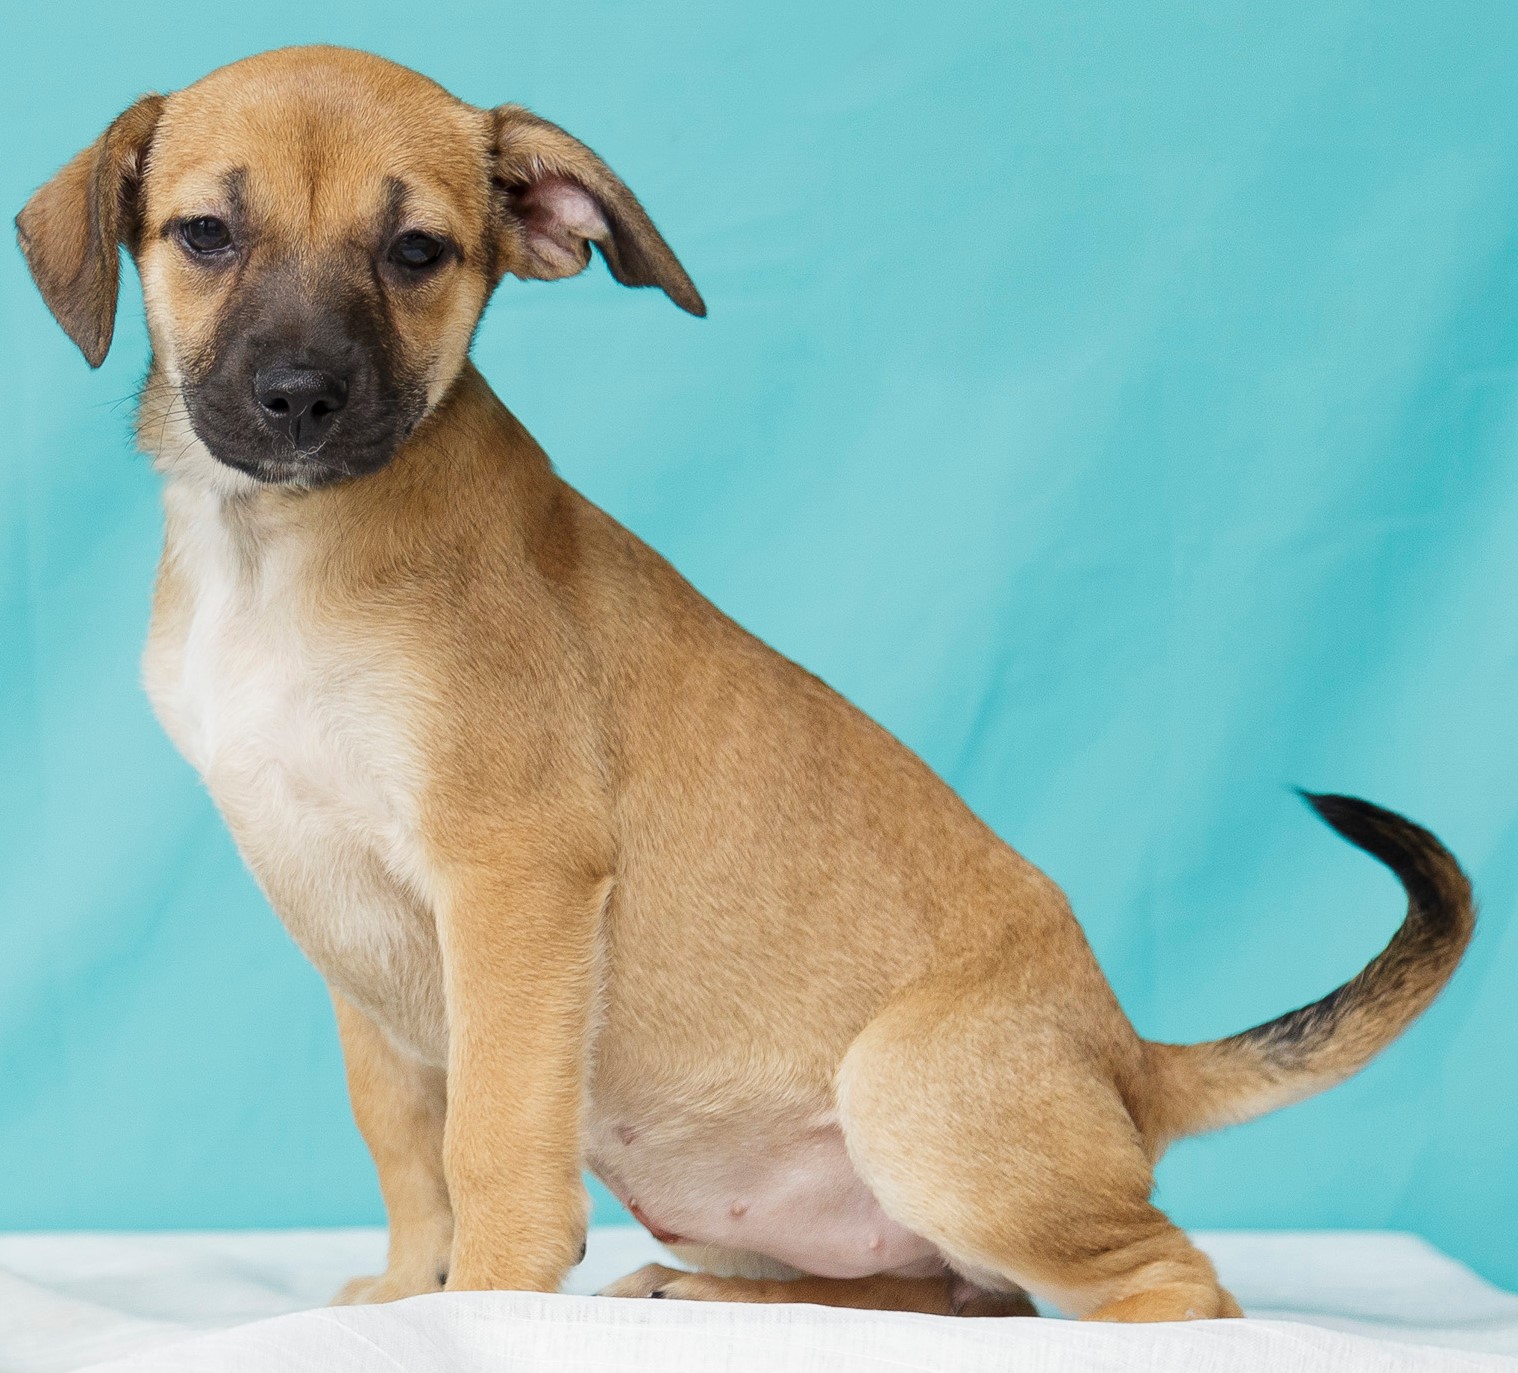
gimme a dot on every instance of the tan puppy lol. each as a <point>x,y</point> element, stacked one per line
<point>595,876</point>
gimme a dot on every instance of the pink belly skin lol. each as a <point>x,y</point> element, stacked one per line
<point>800,1203</point>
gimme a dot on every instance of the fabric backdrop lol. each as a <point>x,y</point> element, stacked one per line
<point>1115,400</point>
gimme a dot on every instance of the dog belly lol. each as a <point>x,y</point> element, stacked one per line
<point>791,1196</point>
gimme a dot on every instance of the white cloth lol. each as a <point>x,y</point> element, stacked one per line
<point>239,1303</point>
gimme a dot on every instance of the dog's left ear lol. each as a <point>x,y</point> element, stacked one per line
<point>70,229</point>
<point>555,198</point>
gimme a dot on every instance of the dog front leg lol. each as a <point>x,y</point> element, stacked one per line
<point>518,934</point>
<point>398,1105</point>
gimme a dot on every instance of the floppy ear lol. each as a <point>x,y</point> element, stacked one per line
<point>556,198</point>
<point>70,229</point>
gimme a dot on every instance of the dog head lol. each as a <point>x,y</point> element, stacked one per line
<point>317,232</point>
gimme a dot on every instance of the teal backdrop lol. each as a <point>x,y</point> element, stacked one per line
<point>1118,401</point>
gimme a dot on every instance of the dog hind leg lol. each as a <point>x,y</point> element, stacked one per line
<point>988,1127</point>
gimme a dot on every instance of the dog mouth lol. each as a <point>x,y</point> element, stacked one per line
<point>323,466</point>
<point>305,470</point>
<point>357,445</point>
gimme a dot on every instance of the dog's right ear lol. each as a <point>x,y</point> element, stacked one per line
<point>71,229</point>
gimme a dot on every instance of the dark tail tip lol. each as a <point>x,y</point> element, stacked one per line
<point>1204,1086</point>
<point>1438,892</point>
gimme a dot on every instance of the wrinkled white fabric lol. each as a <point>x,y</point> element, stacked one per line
<point>240,1303</point>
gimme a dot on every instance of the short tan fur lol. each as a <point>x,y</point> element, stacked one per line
<point>594,875</point>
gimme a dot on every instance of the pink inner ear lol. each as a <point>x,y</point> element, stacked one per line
<point>560,217</point>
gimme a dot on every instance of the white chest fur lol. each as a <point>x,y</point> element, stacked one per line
<point>301,736</point>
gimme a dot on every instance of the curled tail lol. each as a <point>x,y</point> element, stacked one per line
<point>1199,1087</point>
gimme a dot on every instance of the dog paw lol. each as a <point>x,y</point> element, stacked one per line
<point>655,1280</point>
<point>965,1299</point>
<point>387,1286</point>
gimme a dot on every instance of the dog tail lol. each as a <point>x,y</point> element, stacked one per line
<point>1200,1087</point>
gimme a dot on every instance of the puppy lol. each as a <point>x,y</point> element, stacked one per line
<point>596,878</point>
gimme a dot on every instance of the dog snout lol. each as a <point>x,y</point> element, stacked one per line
<point>301,403</point>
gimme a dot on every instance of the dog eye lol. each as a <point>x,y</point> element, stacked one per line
<point>205,234</point>
<point>416,250</point>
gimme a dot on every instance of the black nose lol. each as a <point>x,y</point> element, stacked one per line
<point>299,401</point>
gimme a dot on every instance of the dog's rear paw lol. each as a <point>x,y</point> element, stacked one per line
<point>655,1280</point>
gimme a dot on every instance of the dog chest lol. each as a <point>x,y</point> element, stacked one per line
<point>303,745</point>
